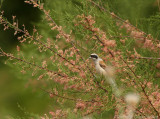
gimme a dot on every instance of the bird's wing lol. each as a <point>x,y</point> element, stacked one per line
<point>102,64</point>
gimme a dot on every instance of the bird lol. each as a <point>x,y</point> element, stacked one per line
<point>101,67</point>
<point>106,71</point>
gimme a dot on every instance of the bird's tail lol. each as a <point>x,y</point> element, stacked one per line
<point>110,77</point>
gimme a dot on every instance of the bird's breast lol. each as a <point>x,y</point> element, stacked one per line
<point>99,69</point>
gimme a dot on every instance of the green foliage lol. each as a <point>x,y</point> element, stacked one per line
<point>66,16</point>
<point>151,25</point>
<point>1,1</point>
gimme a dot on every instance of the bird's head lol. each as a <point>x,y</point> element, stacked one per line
<point>94,57</point>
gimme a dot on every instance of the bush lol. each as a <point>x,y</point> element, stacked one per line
<point>58,55</point>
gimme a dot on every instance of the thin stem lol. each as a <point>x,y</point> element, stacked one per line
<point>141,113</point>
<point>124,37</point>
<point>89,68</point>
<point>150,58</point>
<point>98,38</point>
<point>29,63</point>
<point>107,11</point>
<point>63,97</point>
<point>74,47</point>
<point>143,88</point>
<point>151,103</point>
<point>29,36</point>
<point>78,54</point>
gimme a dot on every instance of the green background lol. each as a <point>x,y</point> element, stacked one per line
<point>16,97</point>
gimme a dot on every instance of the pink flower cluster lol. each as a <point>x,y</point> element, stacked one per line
<point>140,37</point>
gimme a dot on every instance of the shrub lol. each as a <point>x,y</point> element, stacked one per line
<point>62,59</point>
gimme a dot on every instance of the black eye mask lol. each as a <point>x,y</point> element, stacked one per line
<point>94,56</point>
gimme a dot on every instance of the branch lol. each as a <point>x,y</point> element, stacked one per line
<point>150,58</point>
<point>71,41</point>
<point>29,36</point>
<point>2,53</point>
<point>89,68</point>
<point>97,38</point>
<point>124,37</point>
<point>63,97</point>
<point>143,88</point>
<point>150,102</point>
<point>107,11</point>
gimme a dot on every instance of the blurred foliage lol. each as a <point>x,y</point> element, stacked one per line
<point>25,14</point>
<point>1,2</point>
<point>151,25</point>
<point>12,88</point>
<point>135,9</point>
<point>141,13</point>
<point>15,95</point>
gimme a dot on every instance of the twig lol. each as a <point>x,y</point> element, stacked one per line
<point>98,38</point>
<point>150,58</point>
<point>124,37</point>
<point>88,68</point>
<point>92,112</point>
<point>141,113</point>
<point>78,53</point>
<point>58,95</point>
<point>29,63</point>
<point>151,103</point>
<point>143,89</point>
<point>63,97</point>
<point>107,11</point>
<point>29,36</point>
